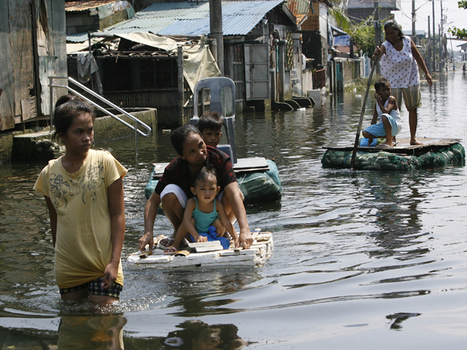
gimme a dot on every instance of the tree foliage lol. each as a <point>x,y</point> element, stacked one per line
<point>460,33</point>
<point>362,34</point>
<point>364,38</point>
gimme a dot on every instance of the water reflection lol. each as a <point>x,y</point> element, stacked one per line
<point>190,292</point>
<point>395,203</point>
<point>397,319</point>
<point>91,332</point>
<point>107,332</point>
<point>21,339</point>
<point>197,335</point>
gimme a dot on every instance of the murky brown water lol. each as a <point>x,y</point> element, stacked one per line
<point>361,258</point>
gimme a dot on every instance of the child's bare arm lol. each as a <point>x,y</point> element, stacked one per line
<point>189,222</point>
<point>226,222</point>
<point>392,104</point>
<point>117,217</point>
<point>53,218</point>
<point>187,225</point>
<point>421,62</point>
<point>375,116</point>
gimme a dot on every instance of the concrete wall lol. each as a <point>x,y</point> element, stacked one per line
<point>107,128</point>
<point>6,145</point>
<point>38,146</point>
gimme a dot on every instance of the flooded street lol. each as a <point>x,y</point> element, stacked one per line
<point>361,259</point>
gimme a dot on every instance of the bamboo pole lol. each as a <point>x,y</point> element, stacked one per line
<point>357,135</point>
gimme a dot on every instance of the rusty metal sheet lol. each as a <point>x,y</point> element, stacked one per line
<point>72,6</point>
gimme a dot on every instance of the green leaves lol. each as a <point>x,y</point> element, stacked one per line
<point>460,33</point>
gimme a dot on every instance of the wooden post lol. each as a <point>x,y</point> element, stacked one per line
<point>181,86</point>
<point>215,21</point>
<point>37,79</point>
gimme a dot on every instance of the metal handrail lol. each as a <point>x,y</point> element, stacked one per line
<point>136,120</point>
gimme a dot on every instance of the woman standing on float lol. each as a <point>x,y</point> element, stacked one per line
<point>399,64</point>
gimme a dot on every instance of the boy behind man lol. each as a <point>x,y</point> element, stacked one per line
<point>210,127</point>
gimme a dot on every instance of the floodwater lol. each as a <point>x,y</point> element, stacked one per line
<point>361,259</point>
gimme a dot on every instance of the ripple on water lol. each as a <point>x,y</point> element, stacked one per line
<point>357,254</point>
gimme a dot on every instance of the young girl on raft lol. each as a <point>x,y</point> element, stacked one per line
<point>205,218</point>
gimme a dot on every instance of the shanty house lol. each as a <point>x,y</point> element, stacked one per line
<point>318,32</point>
<point>262,54</point>
<point>91,16</point>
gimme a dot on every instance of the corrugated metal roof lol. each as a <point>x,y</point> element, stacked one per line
<point>241,8</point>
<point>298,6</point>
<point>240,25</point>
<point>77,38</point>
<point>140,25</point>
<point>191,19</point>
<point>176,10</point>
<point>358,4</point>
<point>72,6</point>
<point>188,27</point>
<point>231,25</point>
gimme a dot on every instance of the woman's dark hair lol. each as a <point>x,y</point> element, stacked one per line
<point>204,174</point>
<point>382,82</point>
<point>393,24</point>
<point>67,108</point>
<point>211,121</point>
<point>180,135</point>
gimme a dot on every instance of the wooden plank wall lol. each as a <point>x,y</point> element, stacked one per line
<point>51,52</point>
<point>15,19</point>
<point>22,83</point>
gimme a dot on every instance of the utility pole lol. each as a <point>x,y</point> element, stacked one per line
<point>215,21</point>
<point>377,24</point>
<point>430,64</point>
<point>413,22</point>
<point>433,43</point>
<point>442,55</point>
<point>377,32</point>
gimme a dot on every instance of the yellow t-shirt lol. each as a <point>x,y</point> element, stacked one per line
<point>83,246</point>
